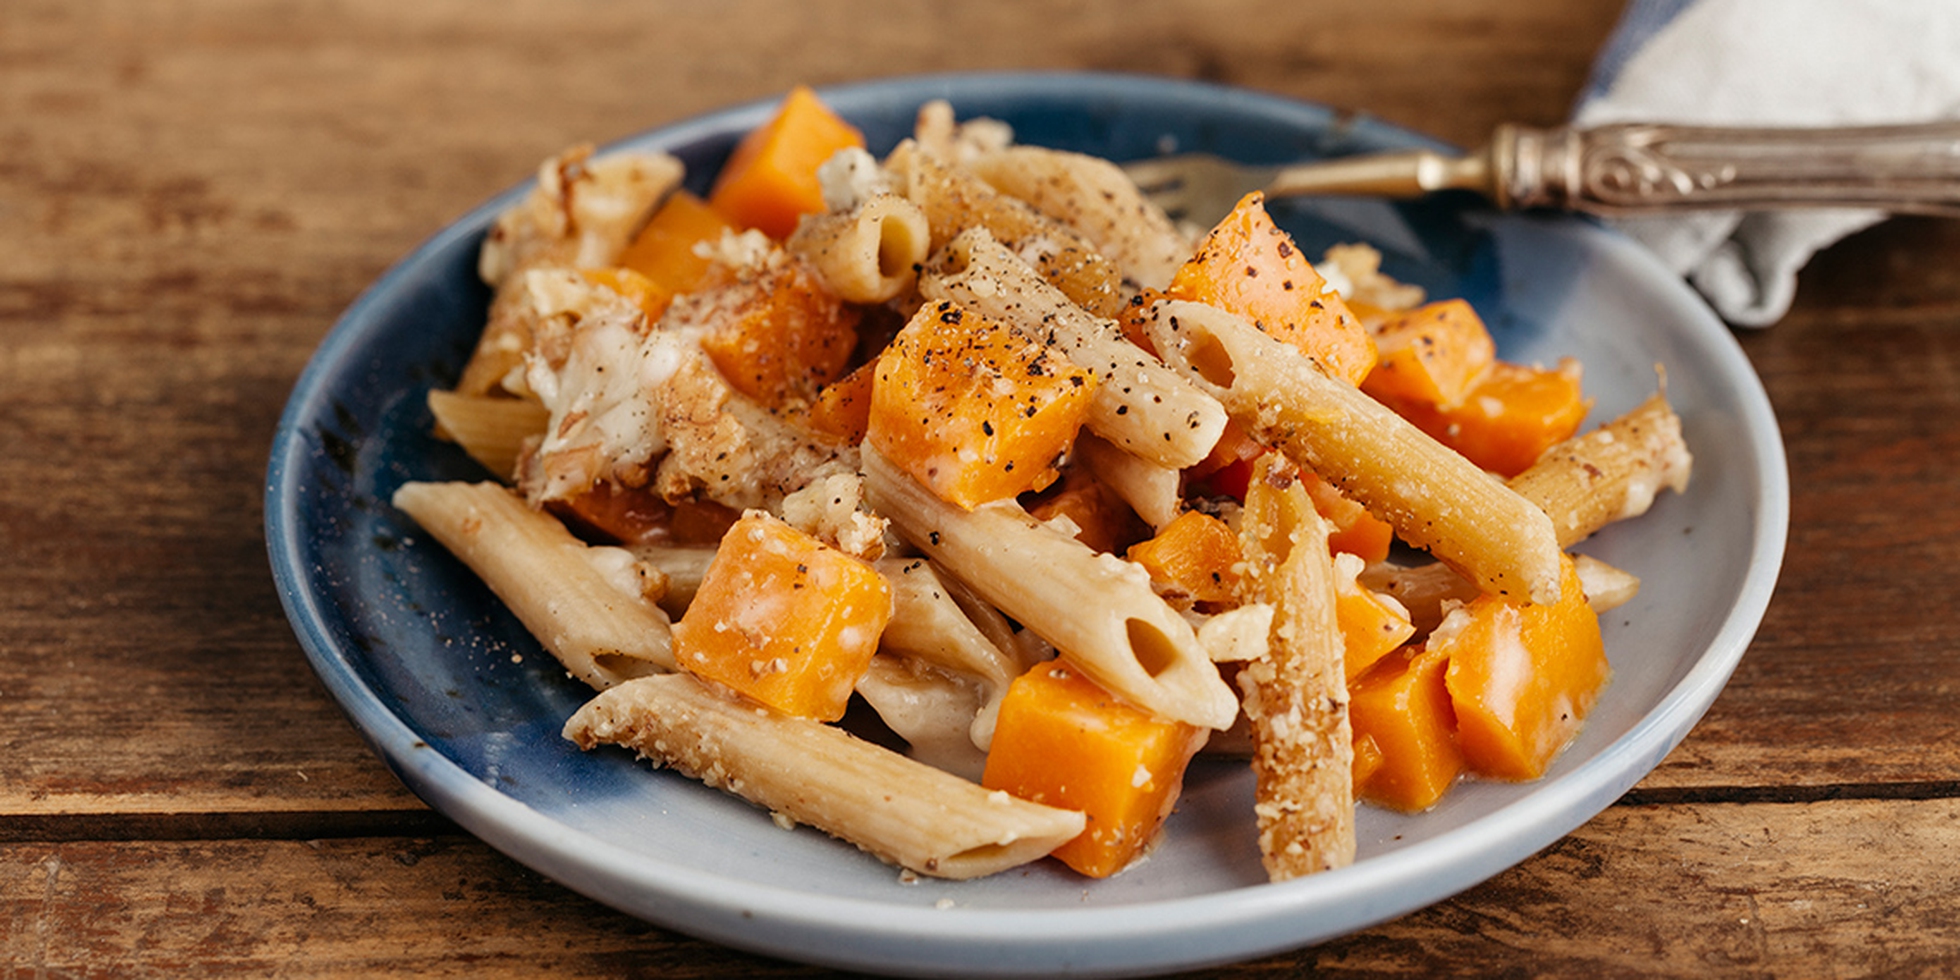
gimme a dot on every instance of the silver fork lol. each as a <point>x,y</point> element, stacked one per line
<point>1628,168</point>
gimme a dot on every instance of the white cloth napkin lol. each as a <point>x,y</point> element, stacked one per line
<point>1769,63</point>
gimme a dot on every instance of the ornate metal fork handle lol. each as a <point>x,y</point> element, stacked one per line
<point>1643,168</point>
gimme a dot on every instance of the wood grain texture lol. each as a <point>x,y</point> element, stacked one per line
<point>190,193</point>
<point>1694,891</point>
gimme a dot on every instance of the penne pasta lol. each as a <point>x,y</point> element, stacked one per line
<point>903,811</point>
<point>555,584</point>
<point>932,709</point>
<point>1607,588</point>
<point>927,624</point>
<point>1097,609</point>
<point>684,568</point>
<point>1151,489</point>
<point>1141,406</point>
<point>1428,592</point>
<point>869,254</point>
<point>1611,473</point>
<point>954,200</point>
<point>1094,197</point>
<point>1433,497</point>
<point>1296,693</point>
<point>492,430</point>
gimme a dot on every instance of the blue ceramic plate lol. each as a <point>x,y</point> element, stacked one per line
<point>466,708</point>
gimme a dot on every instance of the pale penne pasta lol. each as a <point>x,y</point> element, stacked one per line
<point>567,593</point>
<point>1432,496</point>
<point>1428,592</point>
<point>1151,489</point>
<point>954,200</point>
<point>931,708</point>
<point>929,625</point>
<point>1094,197</point>
<point>1607,588</point>
<point>868,254</point>
<point>1141,406</point>
<point>1296,693</point>
<point>492,430</point>
<point>1097,609</point>
<point>817,774</point>
<point>684,568</point>
<point>1611,473</point>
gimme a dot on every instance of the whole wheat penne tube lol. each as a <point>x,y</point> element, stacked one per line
<point>933,709</point>
<point>1428,592</point>
<point>1431,495</point>
<point>903,811</point>
<point>1611,473</point>
<point>684,567</point>
<point>1296,693</point>
<point>1151,489</point>
<point>491,429</point>
<point>954,200</point>
<point>928,624</point>
<point>868,254</point>
<point>555,584</point>
<point>1094,197</point>
<point>1140,406</point>
<point>1097,609</point>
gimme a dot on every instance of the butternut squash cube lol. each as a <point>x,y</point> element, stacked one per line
<point>972,410</point>
<point>784,619</point>
<point>1064,741</point>
<point>1439,370</point>
<point>782,335</point>
<point>1431,354</point>
<point>770,180</point>
<point>1371,624</point>
<point>664,249</point>
<point>1196,555</point>
<point>1522,677</point>
<point>1402,706</point>
<point>1249,266</point>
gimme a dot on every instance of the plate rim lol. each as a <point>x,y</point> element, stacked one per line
<point>730,911</point>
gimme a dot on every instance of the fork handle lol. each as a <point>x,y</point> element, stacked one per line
<point>1644,168</point>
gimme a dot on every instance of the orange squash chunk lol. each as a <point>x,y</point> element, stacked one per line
<point>1249,266</point>
<point>1063,741</point>
<point>1370,627</point>
<point>1103,520</point>
<point>663,251</point>
<point>843,408</point>
<point>1367,760</point>
<point>1403,707</point>
<point>770,180</point>
<point>1439,370</point>
<point>782,334</point>
<point>1522,677</point>
<point>1430,355</point>
<point>784,619</point>
<point>1515,412</point>
<point>971,410</point>
<point>1353,530</point>
<point>1196,555</point>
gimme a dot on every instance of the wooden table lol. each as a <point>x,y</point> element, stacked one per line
<point>190,193</point>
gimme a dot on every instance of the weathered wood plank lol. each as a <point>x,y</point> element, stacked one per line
<point>1827,889</point>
